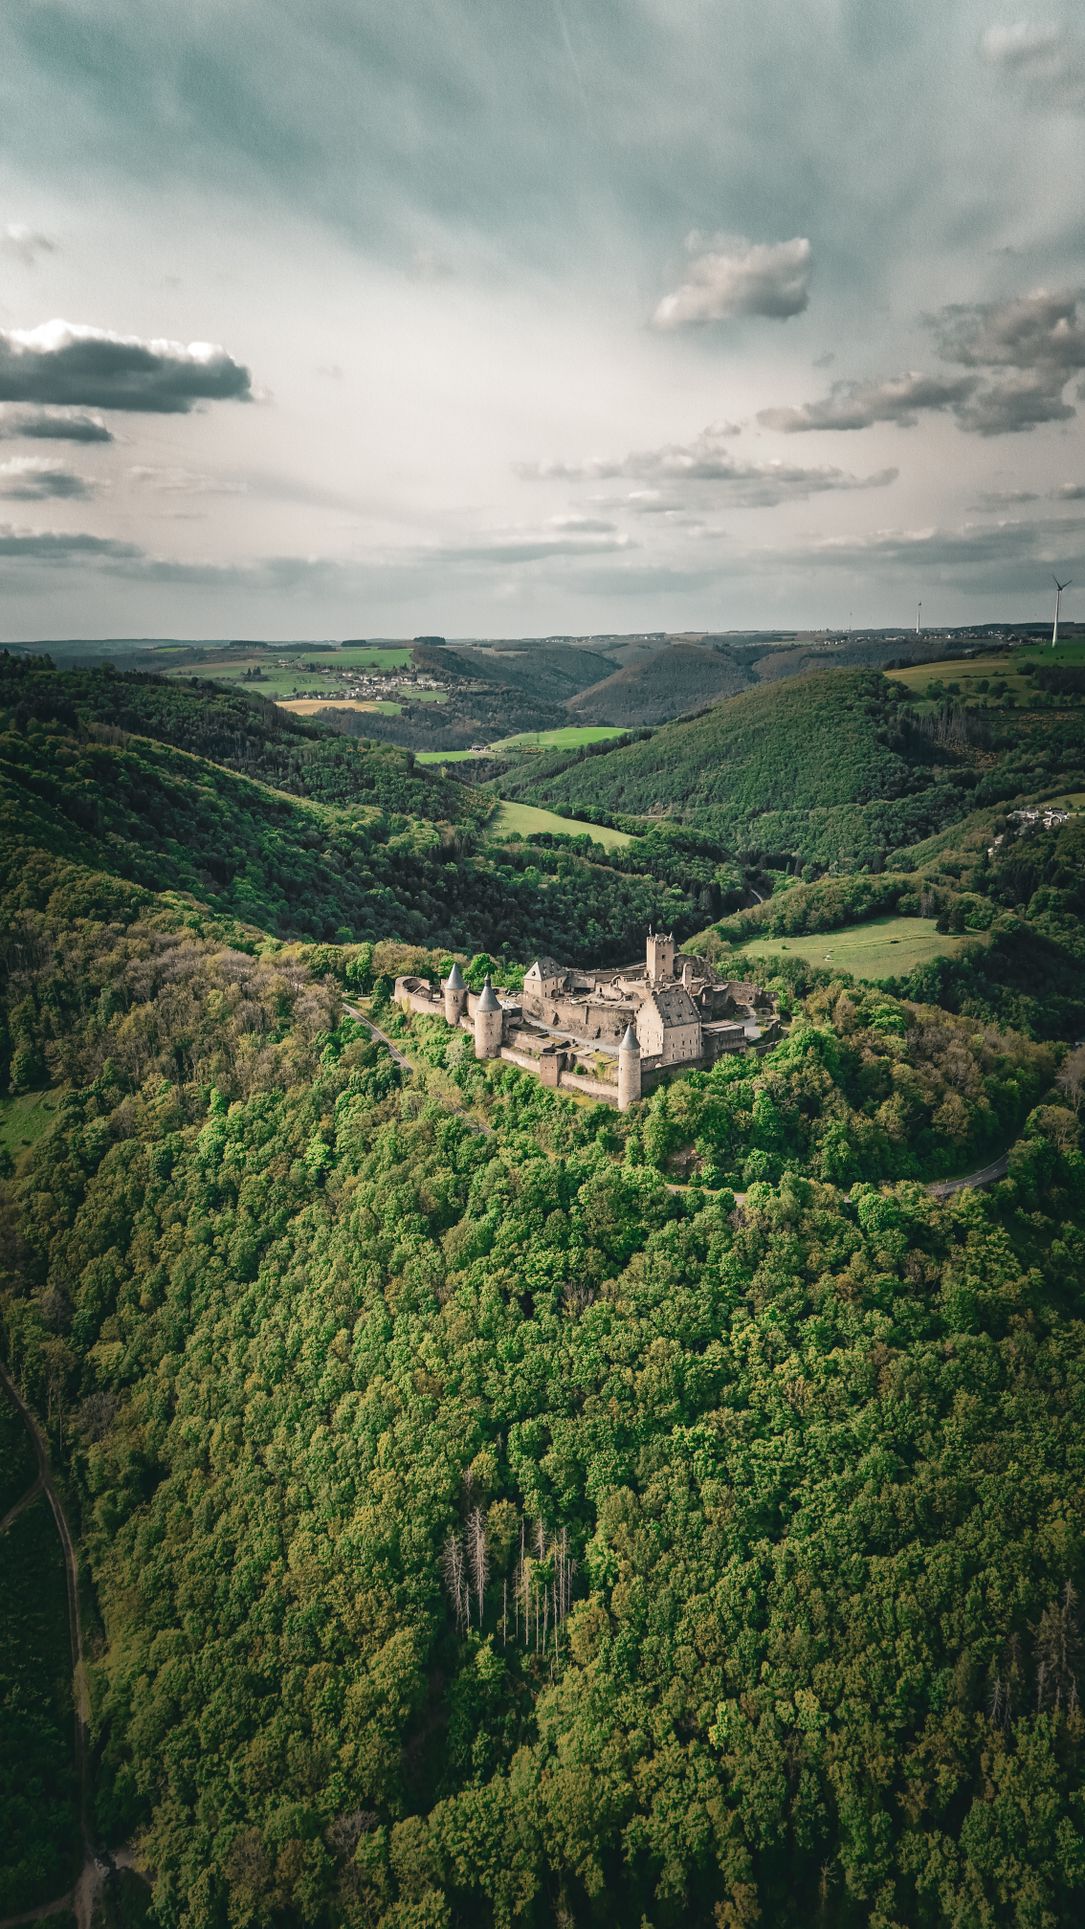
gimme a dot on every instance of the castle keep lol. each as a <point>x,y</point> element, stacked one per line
<point>609,1034</point>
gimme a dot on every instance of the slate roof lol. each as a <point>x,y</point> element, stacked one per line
<point>629,1042</point>
<point>487,1002</point>
<point>674,1005</point>
<point>546,968</point>
<point>454,981</point>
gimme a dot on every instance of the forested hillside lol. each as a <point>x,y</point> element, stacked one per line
<point>836,769</point>
<point>238,729</point>
<point>486,1516</point>
<point>483,1533</point>
<point>681,677</point>
<point>143,811</point>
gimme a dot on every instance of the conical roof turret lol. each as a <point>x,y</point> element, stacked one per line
<point>454,981</point>
<point>630,1042</point>
<point>487,1002</point>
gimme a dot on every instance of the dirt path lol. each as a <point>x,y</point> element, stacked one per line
<point>21,1505</point>
<point>390,1046</point>
<point>81,1898</point>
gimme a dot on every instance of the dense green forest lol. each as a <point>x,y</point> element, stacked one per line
<point>486,1518</point>
<point>836,769</point>
<point>365,865</point>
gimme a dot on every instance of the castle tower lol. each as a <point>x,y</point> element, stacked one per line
<point>660,957</point>
<point>455,996</point>
<point>628,1070</point>
<point>489,1024</point>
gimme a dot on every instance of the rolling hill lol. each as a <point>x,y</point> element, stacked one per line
<point>655,688</point>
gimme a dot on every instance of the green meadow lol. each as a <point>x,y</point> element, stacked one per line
<point>525,820</point>
<point>570,736</point>
<point>882,948</point>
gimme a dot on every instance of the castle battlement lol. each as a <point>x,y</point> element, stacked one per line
<point>611,1033</point>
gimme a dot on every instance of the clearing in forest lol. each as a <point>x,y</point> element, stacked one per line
<point>880,949</point>
<point>524,820</point>
<point>569,736</point>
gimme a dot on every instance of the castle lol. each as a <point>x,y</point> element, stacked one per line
<point>609,1034</point>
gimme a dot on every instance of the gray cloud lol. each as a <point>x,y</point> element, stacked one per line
<point>1039,338</point>
<point>49,546</point>
<point>63,362</point>
<point>732,277</point>
<point>1004,546</point>
<point>52,425</point>
<point>27,478</point>
<point>1015,405</point>
<point>857,405</point>
<point>26,244</point>
<point>1008,498</point>
<point>708,461</point>
<point>531,548</point>
<point>1041,330</point>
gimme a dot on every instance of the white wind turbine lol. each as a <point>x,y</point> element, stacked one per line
<point>1059,587</point>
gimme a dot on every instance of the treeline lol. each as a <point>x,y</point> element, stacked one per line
<point>484,1533</point>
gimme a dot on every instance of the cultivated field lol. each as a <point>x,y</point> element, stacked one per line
<point>309,706</point>
<point>523,820</point>
<point>882,948</point>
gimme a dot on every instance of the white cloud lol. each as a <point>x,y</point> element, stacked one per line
<point>185,482</point>
<point>708,461</point>
<point>733,277</point>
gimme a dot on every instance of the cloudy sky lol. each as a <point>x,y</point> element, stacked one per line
<point>341,317</point>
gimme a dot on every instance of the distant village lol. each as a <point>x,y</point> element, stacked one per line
<point>611,1035</point>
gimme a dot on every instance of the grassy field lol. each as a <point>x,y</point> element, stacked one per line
<point>523,820</point>
<point>882,948</point>
<point>448,756</point>
<point>572,736</point>
<point>999,667</point>
<point>24,1119</point>
<point>39,1850</point>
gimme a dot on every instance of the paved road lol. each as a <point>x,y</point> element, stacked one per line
<point>987,1176</point>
